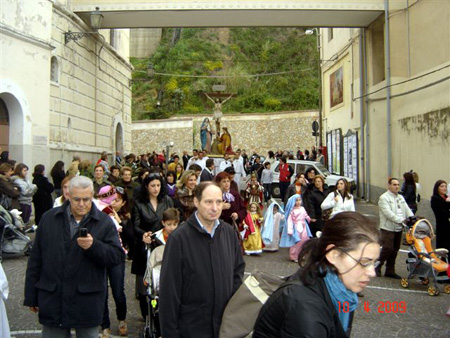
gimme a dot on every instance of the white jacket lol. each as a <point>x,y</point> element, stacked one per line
<point>387,204</point>
<point>341,205</point>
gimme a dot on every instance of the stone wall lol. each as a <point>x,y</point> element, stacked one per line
<point>260,132</point>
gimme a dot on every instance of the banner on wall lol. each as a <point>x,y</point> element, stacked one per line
<point>351,155</point>
<point>334,147</point>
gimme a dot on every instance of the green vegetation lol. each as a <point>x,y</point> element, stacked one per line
<point>235,53</point>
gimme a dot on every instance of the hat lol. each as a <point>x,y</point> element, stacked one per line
<point>107,194</point>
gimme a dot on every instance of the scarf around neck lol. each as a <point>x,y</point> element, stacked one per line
<point>339,295</point>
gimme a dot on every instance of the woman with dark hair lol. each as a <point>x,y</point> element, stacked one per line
<point>120,213</point>
<point>58,175</point>
<point>171,183</point>
<point>409,191</point>
<point>271,157</point>
<point>147,214</point>
<point>27,190</point>
<point>340,199</point>
<point>42,199</point>
<point>319,300</point>
<point>298,187</point>
<point>440,203</point>
<point>315,198</point>
<point>184,195</point>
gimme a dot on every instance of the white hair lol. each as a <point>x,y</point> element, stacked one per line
<point>81,182</point>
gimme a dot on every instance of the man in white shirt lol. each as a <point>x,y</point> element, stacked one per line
<point>393,212</point>
<point>226,163</point>
<point>238,166</point>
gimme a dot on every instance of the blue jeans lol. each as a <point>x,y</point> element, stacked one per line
<point>116,276</point>
<point>56,332</point>
<point>267,191</point>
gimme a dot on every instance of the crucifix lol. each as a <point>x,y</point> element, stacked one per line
<point>217,112</point>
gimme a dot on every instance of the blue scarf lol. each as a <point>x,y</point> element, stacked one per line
<point>339,293</point>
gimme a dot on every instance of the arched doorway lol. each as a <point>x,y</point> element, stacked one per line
<point>119,138</point>
<point>4,126</point>
<point>17,136</point>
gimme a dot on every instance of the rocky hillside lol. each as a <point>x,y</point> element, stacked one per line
<point>267,69</point>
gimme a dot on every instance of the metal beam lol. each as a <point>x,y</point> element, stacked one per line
<point>242,13</point>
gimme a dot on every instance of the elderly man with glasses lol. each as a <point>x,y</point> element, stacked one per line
<point>66,274</point>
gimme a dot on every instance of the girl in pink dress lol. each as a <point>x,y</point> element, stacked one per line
<point>297,230</point>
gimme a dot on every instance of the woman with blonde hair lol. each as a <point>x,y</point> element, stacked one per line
<point>184,195</point>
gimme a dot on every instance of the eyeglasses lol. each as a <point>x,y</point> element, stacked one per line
<point>366,263</point>
<point>78,200</point>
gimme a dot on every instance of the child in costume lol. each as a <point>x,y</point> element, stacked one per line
<point>252,226</point>
<point>273,223</point>
<point>254,192</point>
<point>296,232</point>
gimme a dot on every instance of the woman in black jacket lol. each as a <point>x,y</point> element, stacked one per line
<point>319,300</point>
<point>409,191</point>
<point>440,203</point>
<point>58,175</point>
<point>314,198</point>
<point>146,217</point>
<point>42,199</point>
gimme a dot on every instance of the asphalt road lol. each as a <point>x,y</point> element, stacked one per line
<point>386,310</point>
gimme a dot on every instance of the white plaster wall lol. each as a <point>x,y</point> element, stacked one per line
<point>92,96</point>
<point>24,68</point>
<point>420,107</point>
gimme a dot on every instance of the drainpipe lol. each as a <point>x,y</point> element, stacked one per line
<point>361,110</point>
<point>367,121</point>
<point>388,87</point>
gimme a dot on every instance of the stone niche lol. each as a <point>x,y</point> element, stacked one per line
<point>253,132</point>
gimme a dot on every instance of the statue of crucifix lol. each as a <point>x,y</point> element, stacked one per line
<point>217,112</point>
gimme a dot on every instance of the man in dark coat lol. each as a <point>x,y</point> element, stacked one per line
<point>202,268</point>
<point>208,173</point>
<point>66,274</point>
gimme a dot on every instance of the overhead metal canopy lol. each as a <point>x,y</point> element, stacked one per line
<point>243,13</point>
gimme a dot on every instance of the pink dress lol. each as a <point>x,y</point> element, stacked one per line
<point>297,222</point>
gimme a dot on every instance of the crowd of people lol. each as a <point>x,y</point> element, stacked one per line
<point>111,211</point>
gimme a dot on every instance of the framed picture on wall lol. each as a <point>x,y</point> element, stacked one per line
<point>336,88</point>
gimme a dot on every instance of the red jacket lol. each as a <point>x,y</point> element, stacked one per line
<point>285,172</point>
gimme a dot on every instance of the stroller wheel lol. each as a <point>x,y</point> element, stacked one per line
<point>404,282</point>
<point>432,291</point>
<point>447,288</point>
<point>425,281</point>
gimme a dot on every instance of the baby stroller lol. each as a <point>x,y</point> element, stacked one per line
<point>423,261</point>
<point>12,238</point>
<point>151,280</point>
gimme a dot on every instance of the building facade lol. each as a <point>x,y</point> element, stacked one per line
<point>59,98</point>
<point>386,97</point>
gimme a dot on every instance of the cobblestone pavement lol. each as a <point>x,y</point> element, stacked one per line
<point>424,316</point>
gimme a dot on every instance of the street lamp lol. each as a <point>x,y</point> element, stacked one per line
<point>96,19</point>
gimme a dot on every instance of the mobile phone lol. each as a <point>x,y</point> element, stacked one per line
<point>83,232</point>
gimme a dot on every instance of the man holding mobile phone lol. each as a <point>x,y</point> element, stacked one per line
<point>66,273</point>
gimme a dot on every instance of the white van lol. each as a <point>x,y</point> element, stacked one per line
<point>300,166</point>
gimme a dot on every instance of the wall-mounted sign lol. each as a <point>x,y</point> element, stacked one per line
<point>351,155</point>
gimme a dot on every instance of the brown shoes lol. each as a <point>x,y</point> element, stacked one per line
<point>123,328</point>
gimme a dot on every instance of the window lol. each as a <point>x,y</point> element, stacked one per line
<point>54,69</point>
<point>330,34</point>
<point>113,38</point>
